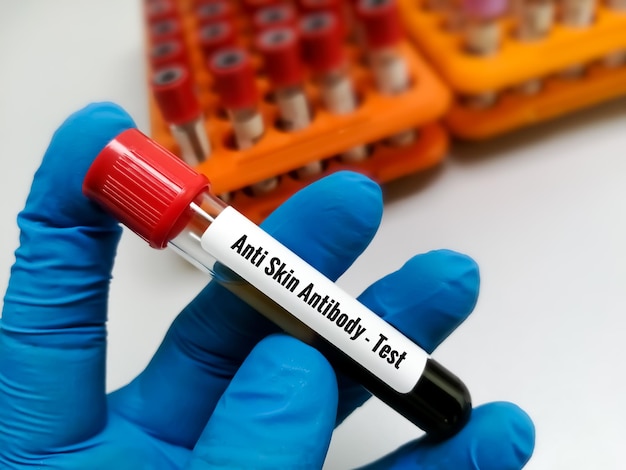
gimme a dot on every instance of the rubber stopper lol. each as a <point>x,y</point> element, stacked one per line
<point>167,53</point>
<point>280,49</point>
<point>212,12</point>
<point>234,78</point>
<point>275,16</point>
<point>144,186</point>
<point>174,93</point>
<point>165,30</point>
<point>381,23</point>
<point>157,10</point>
<point>322,44</point>
<point>335,7</point>
<point>215,36</point>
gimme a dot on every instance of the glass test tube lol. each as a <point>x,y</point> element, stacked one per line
<point>576,14</point>
<point>535,19</point>
<point>282,62</point>
<point>617,58</point>
<point>178,210</point>
<point>323,50</point>
<point>482,37</point>
<point>235,84</point>
<point>175,95</point>
<point>382,32</point>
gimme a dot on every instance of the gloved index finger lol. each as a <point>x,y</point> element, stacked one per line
<point>52,337</point>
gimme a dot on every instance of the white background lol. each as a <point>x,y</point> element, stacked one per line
<point>542,211</point>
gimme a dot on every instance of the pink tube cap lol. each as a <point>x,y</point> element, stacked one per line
<point>485,9</point>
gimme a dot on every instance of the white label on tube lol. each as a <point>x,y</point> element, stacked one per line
<point>315,300</point>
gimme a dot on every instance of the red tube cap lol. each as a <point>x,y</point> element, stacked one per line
<point>234,78</point>
<point>274,16</point>
<point>381,22</point>
<point>281,55</point>
<point>144,186</point>
<point>165,30</point>
<point>212,12</point>
<point>157,10</point>
<point>322,44</point>
<point>167,53</point>
<point>215,36</point>
<point>174,93</point>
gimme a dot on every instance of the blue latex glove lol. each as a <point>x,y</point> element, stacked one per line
<point>225,389</point>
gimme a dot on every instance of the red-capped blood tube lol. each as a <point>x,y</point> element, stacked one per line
<point>235,84</point>
<point>169,204</point>
<point>535,19</point>
<point>213,12</point>
<point>174,93</point>
<point>274,16</point>
<point>382,32</point>
<point>282,62</point>
<point>323,51</point>
<point>167,53</point>
<point>215,36</point>
<point>283,65</point>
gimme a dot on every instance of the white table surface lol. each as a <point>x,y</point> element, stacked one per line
<point>542,212</point>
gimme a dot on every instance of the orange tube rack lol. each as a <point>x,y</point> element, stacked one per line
<point>517,62</point>
<point>278,152</point>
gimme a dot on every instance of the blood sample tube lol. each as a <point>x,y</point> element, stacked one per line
<point>483,33</point>
<point>174,93</point>
<point>482,37</point>
<point>280,49</point>
<point>167,53</point>
<point>576,14</point>
<point>534,22</point>
<point>534,19</point>
<point>382,32</point>
<point>322,46</point>
<point>274,16</point>
<point>167,203</point>
<point>617,58</point>
<point>235,84</point>
<point>215,36</point>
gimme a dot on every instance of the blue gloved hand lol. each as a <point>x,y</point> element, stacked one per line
<point>225,389</point>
